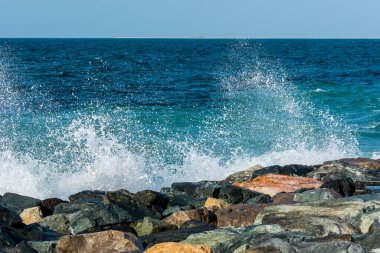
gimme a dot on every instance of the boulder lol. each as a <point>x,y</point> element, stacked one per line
<point>214,203</point>
<point>150,226</point>
<point>369,242</point>
<point>316,195</point>
<point>57,222</point>
<point>284,198</point>
<point>340,183</point>
<point>238,215</point>
<point>19,202</point>
<point>290,170</point>
<point>8,217</point>
<point>21,247</point>
<point>358,169</point>
<point>174,235</point>
<point>172,247</point>
<point>333,246</point>
<point>43,246</point>
<point>364,221</point>
<point>48,205</point>
<point>201,214</point>
<point>244,175</point>
<point>96,217</point>
<point>321,217</point>
<point>151,198</point>
<point>272,184</point>
<point>272,245</point>
<point>31,215</point>
<point>126,200</point>
<point>67,208</point>
<point>107,241</point>
<point>6,238</point>
<point>203,189</point>
<point>88,197</point>
<point>237,195</point>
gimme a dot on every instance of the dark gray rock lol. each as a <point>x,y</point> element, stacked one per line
<point>236,195</point>
<point>291,170</point>
<point>244,175</point>
<point>6,239</point>
<point>8,217</point>
<point>340,183</point>
<point>370,242</point>
<point>88,197</point>
<point>201,189</point>
<point>21,247</point>
<point>151,198</point>
<point>19,202</point>
<point>48,205</point>
<point>316,195</point>
<point>67,208</point>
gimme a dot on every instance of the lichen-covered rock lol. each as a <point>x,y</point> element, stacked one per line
<point>43,246</point>
<point>214,203</point>
<point>333,246</point>
<point>172,247</point>
<point>316,195</point>
<point>174,235</point>
<point>237,215</point>
<point>107,241</point>
<point>97,217</point>
<point>56,222</point>
<point>244,175</point>
<point>18,202</point>
<point>201,214</point>
<point>31,215</point>
<point>272,184</point>
<point>149,226</point>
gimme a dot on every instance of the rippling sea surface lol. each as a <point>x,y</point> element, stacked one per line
<point>106,114</point>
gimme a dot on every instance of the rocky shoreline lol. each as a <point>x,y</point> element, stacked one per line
<point>334,206</point>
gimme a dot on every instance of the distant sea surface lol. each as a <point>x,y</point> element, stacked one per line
<point>106,114</point>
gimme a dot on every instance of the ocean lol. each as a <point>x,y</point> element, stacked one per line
<point>105,114</point>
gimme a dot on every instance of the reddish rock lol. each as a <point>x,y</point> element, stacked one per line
<point>201,214</point>
<point>172,247</point>
<point>238,215</point>
<point>272,184</point>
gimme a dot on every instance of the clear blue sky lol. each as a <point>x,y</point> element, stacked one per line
<point>190,18</point>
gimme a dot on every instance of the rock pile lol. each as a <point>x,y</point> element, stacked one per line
<point>332,207</point>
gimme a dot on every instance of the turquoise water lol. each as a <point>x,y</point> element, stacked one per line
<point>107,114</point>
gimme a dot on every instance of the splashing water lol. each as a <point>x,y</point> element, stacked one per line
<point>259,117</point>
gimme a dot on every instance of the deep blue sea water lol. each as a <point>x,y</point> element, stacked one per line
<point>141,113</point>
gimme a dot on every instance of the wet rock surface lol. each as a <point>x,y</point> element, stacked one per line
<point>332,207</point>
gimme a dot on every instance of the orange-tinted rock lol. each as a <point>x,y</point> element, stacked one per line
<point>107,241</point>
<point>172,247</point>
<point>31,215</point>
<point>213,203</point>
<point>272,184</point>
<point>238,215</point>
<point>201,214</point>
